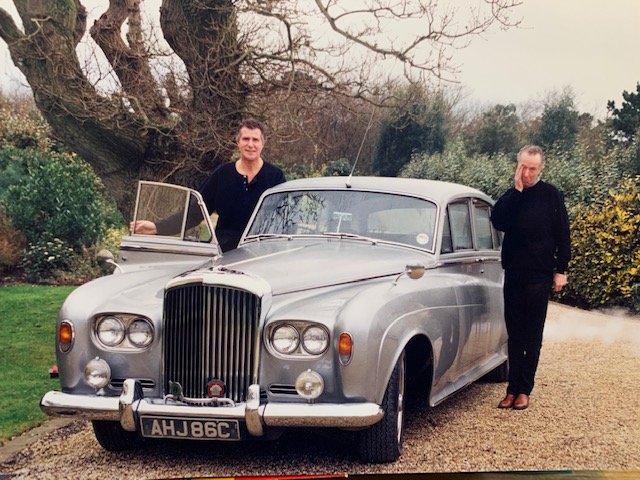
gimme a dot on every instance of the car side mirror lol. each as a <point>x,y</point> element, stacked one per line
<point>414,271</point>
<point>105,257</point>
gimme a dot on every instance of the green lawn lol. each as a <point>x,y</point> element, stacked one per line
<point>27,352</point>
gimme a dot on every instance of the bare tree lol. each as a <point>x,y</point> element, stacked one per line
<point>238,58</point>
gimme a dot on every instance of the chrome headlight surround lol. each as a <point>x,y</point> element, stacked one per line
<point>110,331</point>
<point>297,338</point>
<point>122,332</point>
<point>285,339</point>
<point>315,340</point>
<point>140,332</point>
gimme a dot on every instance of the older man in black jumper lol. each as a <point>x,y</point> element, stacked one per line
<point>535,256</point>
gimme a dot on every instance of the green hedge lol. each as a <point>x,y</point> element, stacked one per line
<point>605,268</point>
<point>59,204</point>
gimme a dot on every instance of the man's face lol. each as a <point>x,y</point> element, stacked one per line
<point>250,144</point>
<point>530,167</point>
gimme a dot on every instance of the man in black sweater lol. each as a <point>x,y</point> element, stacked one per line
<point>535,256</point>
<point>232,190</point>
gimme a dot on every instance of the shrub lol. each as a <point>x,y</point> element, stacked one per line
<point>491,175</point>
<point>58,197</point>
<point>22,125</point>
<point>12,243</point>
<point>586,177</point>
<point>58,203</point>
<point>337,168</point>
<point>45,262</point>
<point>605,268</point>
<point>300,170</point>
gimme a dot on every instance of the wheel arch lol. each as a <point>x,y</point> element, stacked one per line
<point>419,355</point>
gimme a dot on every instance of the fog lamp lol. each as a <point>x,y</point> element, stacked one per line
<point>97,373</point>
<point>309,385</point>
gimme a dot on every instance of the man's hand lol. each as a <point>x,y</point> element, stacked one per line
<point>143,227</point>
<point>517,179</point>
<point>559,281</point>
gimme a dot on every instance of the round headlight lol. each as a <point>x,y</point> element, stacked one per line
<point>315,340</point>
<point>97,373</point>
<point>140,333</point>
<point>110,331</point>
<point>285,339</point>
<point>309,385</point>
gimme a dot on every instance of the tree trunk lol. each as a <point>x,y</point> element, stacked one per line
<point>130,136</point>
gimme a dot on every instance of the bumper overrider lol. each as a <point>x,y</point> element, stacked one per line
<point>156,417</point>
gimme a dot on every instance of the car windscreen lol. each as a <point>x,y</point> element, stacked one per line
<point>382,216</point>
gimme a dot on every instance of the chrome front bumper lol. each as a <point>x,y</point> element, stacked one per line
<point>131,404</point>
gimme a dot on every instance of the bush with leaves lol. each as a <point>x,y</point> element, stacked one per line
<point>56,196</point>
<point>585,176</point>
<point>582,175</point>
<point>12,243</point>
<point>46,261</point>
<point>22,125</point>
<point>605,268</point>
<point>337,168</point>
<point>491,175</point>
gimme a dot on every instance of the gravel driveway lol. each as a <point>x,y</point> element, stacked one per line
<point>584,415</point>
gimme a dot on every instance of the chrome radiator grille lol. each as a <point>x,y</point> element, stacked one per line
<point>211,332</point>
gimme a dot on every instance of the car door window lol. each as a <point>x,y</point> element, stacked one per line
<point>460,225</point>
<point>484,237</point>
<point>175,210</point>
<point>487,237</point>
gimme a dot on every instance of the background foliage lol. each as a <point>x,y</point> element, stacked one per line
<point>54,211</point>
<point>55,214</point>
<point>605,268</point>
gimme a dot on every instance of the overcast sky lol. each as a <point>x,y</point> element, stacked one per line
<point>592,46</point>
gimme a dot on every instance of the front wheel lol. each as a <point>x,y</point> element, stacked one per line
<point>382,442</point>
<point>112,437</point>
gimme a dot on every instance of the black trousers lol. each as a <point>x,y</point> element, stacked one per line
<point>526,298</point>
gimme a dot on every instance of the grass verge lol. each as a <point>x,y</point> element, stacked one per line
<point>27,351</point>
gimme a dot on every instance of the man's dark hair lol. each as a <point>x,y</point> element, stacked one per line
<point>252,124</point>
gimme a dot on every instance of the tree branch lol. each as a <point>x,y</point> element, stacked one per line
<point>130,63</point>
<point>9,31</point>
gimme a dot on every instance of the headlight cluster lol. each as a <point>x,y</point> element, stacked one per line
<point>123,331</point>
<point>298,338</point>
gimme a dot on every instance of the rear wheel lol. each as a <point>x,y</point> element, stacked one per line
<point>382,442</point>
<point>111,436</point>
<point>499,374</point>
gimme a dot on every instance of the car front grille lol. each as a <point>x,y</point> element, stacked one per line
<point>211,333</point>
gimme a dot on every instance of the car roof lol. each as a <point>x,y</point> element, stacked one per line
<point>439,191</point>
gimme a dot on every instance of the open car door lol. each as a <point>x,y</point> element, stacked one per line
<point>186,232</point>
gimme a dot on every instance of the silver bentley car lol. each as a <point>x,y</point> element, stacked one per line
<point>345,297</point>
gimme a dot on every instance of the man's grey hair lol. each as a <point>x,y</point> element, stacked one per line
<point>532,150</point>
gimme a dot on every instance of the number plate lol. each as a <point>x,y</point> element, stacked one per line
<point>189,428</point>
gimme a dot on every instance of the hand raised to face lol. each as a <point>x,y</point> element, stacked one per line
<point>517,179</point>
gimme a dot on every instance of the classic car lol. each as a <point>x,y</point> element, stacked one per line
<point>345,296</point>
